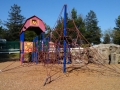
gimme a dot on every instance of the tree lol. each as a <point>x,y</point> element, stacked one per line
<point>29,35</point>
<point>116,36</point>
<point>116,31</point>
<point>106,39</point>
<point>14,22</point>
<point>74,14</point>
<point>93,32</point>
<point>48,30</point>
<point>107,36</point>
<point>0,22</point>
<point>80,23</point>
<point>71,28</point>
<point>2,30</point>
<point>117,21</point>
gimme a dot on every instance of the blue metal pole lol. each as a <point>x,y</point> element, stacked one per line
<point>36,49</point>
<point>22,47</point>
<point>65,20</point>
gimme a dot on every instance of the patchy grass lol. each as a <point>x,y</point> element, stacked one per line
<point>8,57</point>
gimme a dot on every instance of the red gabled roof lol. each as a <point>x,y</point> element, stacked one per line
<point>41,26</point>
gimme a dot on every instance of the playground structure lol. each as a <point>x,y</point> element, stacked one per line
<point>44,54</point>
<point>37,25</point>
<point>63,46</point>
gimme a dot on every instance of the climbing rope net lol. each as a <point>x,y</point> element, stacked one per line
<point>78,53</point>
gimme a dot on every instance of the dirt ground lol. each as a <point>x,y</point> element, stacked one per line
<point>14,76</point>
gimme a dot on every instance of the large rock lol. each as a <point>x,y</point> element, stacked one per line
<point>109,49</point>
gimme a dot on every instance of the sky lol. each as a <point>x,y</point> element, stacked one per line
<point>48,10</point>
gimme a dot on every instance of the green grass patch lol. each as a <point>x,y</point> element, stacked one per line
<point>10,56</point>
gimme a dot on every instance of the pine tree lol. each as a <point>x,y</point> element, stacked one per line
<point>106,39</point>
<point>14,22</point>
<point>0,22</point>
<point>116,32</point>
<point>117,21</point>
<point>93,32</point>
<point>2,30</point>
<point>29,35</point>
<point>107,36</point>
<point>80,23</point>
<point>74,14</point>
<point>48,30</point>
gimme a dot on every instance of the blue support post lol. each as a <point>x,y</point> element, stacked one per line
<point>36,49</point>
<point>33,53</point>
<point>22,47</point>
<point>65,20</point>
